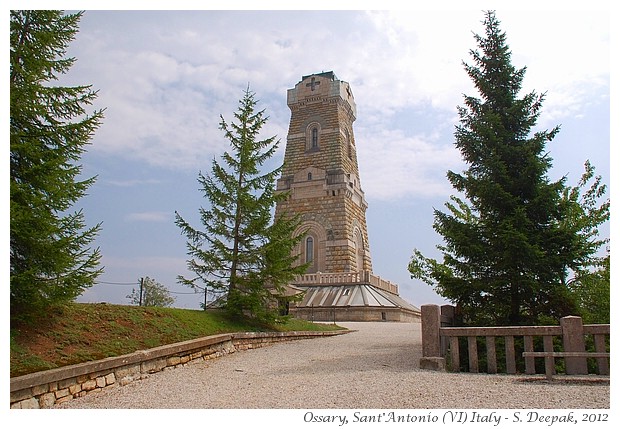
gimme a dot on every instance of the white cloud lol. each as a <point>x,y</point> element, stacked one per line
<point>422,61</point>
<point>165,77</point>
<point>563,50</point>
<point>567,55</point>
<point>394,166</point>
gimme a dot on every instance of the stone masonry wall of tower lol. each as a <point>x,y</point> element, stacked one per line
<point>322,177</point>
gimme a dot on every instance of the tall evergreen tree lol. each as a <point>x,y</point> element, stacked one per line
<point>51,261</point>
<point>507,247</point>
<point>241,255</point>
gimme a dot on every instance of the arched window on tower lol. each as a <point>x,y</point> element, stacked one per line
<point>313,136</point>
<point>309,249</point>
<point>358,248</point>
<point>348,143</point>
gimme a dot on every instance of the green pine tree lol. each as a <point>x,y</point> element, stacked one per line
<point>508,248</point>
<point>51,261</point>
<point>241,255</point>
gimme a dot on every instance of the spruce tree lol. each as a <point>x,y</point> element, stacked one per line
<point>241,255</point>
<point>508,247</point>
<point>51,261</point>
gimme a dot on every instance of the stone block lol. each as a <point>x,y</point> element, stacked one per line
<point>89,385</point>
<point>40,389</point>
<point>433,363</point>
<point>63,384</point>
<point>31,404</point>
<point>47,400</point>
<point>100,382</point>
<point>125,380</point>
<point>110,379</point>
<point>61,393</point>
<point>174,360</point>
<point>154,365</point>
<point>64,399</point>
<point>21,395</point>
<point>126,371</point>
<point>75,388</point>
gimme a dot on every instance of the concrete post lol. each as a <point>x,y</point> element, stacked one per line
<point>448,312</point>
<point>431,345</point>
<point>573,340</point>
<point>447,319</point>
<point>431,322</point>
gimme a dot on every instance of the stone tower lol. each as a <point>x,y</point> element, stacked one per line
<point>322,176</point>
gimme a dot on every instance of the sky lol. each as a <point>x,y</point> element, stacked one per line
<point>165,77</point>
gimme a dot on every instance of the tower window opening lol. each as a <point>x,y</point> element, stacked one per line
<point>309,176</point>
<point>313,133</point>
<point>349,144</point>
<point>309,249</point>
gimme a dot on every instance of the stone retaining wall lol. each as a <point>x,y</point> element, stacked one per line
<point>355,314</point>
<point>45,388</point>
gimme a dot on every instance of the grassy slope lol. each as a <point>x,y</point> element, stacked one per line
<point>83,332</point>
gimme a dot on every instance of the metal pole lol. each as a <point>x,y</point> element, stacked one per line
<point>141,289</point>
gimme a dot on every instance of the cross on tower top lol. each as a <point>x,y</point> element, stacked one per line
<point>313,83</point>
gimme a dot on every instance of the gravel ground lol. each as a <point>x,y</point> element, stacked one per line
<point>375,367</point>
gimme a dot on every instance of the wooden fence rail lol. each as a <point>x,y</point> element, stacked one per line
<point>440,341</point>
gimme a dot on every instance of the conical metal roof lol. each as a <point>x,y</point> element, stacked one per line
<point>358,295</point>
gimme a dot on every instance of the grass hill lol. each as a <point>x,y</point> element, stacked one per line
<point>83,332</point>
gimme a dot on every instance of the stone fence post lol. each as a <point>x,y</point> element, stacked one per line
<point>431,344</point>
<point>447,319</point>
<point>573,341</point>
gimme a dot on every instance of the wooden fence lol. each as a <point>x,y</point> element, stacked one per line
<point>441,341</point>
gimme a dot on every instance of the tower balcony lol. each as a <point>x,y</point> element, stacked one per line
<point>352,278</point>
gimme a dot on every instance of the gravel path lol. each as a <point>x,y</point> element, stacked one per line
<point>375,367</point>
